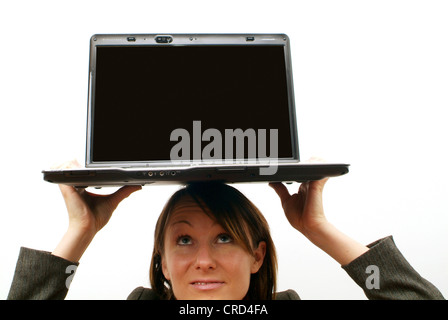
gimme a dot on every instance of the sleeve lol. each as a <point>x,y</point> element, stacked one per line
<point>384,273</point>
<point>39,275</point>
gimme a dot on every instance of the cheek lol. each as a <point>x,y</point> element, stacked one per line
<point>236,263</point>
<point>175,266</point>
<point>238,268</point>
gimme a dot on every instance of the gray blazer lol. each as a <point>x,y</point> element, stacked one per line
<point>382,272</point>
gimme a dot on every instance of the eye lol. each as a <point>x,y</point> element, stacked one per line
<point>183,240</point>
<point>224,238</point>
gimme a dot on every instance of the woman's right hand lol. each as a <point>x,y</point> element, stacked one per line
<point>88,213</point>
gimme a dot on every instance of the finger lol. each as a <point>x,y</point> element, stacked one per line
<point>314,160</point>
<point>122,194</point>
<point>66,190</point>
<point>281,190</point>
<point>319,184</point>
<point>67,165</point>
<point>303,188</point>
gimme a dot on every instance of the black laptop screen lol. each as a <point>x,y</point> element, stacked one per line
<point>141,94</point>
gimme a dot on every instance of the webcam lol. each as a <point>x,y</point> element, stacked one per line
<point>164,39</point>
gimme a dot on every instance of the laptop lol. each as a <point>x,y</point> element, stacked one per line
<point>179,108</point>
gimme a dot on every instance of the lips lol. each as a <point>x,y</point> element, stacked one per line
<point>207,284</point>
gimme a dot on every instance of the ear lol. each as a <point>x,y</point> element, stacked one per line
<point>259,254</point>
<point>165,271</point>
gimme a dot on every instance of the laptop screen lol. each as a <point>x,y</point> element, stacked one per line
<point>142,94</point>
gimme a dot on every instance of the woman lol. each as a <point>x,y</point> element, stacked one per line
<point>211,242</point>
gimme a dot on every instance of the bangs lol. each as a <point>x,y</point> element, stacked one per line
<point>219,204</point>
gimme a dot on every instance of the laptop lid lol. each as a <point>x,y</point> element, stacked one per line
<point>183,99</point>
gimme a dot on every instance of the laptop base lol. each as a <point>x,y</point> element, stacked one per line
<point>113,177</point>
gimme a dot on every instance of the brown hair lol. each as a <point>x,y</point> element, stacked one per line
<point>238,216</point>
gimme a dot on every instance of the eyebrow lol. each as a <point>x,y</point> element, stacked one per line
<point>181,221</point>
<point>188,223</point>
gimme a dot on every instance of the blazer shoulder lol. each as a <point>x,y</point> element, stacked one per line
<point>287,295</point>
<point>142,293</point>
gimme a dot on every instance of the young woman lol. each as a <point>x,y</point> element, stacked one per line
<point>211,242</point>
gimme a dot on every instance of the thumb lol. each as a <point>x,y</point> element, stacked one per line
<point>281,191</point>
<point>122,194</point>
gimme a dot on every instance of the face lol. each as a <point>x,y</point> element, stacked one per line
<point>202,261</point>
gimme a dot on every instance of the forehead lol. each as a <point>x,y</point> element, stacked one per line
<point>185,205</point>
<point>188,209</point>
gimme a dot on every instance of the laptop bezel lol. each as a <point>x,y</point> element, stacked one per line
<point>188,39</point>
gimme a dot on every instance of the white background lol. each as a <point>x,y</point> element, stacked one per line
<point>371,81</point>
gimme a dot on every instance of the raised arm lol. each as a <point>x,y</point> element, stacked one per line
<point>379,269</point>
<point>45,275</point>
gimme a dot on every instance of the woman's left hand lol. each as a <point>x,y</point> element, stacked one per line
<point>304,209</point>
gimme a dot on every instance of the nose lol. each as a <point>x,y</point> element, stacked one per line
<point>205,259</point>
